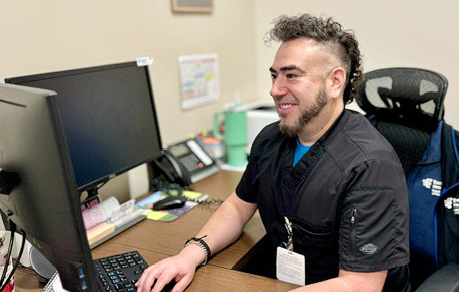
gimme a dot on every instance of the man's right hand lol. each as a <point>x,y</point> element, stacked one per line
<point>180,268</point>
<point>223,228</point>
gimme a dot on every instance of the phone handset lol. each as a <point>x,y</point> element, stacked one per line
<point>182,173</point>
<point>167,170</point>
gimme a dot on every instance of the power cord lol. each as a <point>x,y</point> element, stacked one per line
<point>8,259</point>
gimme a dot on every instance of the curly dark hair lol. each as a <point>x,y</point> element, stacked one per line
<point>327,32</point>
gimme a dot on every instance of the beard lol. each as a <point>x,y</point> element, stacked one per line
<point>292,130</point>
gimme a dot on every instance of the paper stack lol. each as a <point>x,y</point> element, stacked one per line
<point>106,219</point>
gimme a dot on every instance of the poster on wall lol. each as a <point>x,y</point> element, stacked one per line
<point>199,79</point>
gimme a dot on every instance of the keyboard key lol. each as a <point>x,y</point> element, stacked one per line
<point>122,271</point>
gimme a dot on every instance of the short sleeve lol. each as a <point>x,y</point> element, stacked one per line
<point>248,186</point>
<point>374,218</point>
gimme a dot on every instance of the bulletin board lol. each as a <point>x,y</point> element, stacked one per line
<point>199,79</point>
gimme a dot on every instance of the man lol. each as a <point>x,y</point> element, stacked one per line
<point>338,213</point>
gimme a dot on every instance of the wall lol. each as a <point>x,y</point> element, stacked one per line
<point>391,33</point>
<point>51,35</point>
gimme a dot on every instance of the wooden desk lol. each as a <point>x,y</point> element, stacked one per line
<point>156,240</point>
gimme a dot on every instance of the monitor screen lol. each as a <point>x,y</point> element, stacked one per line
<point>45,203</point>
<point>109,118</point>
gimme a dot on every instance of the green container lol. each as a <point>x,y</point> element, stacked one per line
<point>235,134</point>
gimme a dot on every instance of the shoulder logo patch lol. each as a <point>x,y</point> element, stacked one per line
<point>433,185</point>
<point>369,248</point>
<point>452,204</point>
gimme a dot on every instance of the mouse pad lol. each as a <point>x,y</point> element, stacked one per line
<point>169,215</point>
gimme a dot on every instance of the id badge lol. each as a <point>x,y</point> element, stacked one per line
<point>290,266</point>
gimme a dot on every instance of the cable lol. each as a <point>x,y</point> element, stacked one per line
<point>17,262</point>
<point>7,262</point>
<point>207,201</point>
<point>177,190</point>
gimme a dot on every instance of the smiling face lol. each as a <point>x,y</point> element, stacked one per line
<point>305,115</point>
<point>301,83</point>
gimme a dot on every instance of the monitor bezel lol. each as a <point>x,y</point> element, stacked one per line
<point>91,187</point>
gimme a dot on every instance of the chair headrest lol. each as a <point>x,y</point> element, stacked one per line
<point>405,94</point>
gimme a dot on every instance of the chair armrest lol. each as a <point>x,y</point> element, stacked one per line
<point>445,279</point>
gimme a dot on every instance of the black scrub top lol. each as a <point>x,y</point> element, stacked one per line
<point>346,197</point>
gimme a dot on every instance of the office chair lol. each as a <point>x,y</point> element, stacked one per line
<point>406,106</point>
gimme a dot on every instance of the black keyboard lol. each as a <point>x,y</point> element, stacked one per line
<point>120,272</point>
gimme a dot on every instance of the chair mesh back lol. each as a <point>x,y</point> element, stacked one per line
<point>409,143</point>
<point>405,105</point>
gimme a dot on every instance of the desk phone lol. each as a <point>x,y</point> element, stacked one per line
<point>182,163</point>
<point>195,160</point>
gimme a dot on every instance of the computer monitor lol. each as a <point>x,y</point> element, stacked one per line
<point>45,204</point>
<point>109,118</point>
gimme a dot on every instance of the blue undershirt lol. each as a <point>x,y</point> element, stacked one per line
<point>299,152</point>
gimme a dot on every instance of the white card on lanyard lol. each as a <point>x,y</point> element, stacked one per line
<point>290,266</point>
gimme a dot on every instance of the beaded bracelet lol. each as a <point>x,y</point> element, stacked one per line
<point>202,244</point>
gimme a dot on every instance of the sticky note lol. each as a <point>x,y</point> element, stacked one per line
<point>156,215</point>
<point>191,194</point>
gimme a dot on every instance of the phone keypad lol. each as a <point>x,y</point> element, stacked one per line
<point>191,162</point>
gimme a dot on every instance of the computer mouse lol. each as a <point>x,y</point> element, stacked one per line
<point>168,287</point>
<point>172,202</point>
